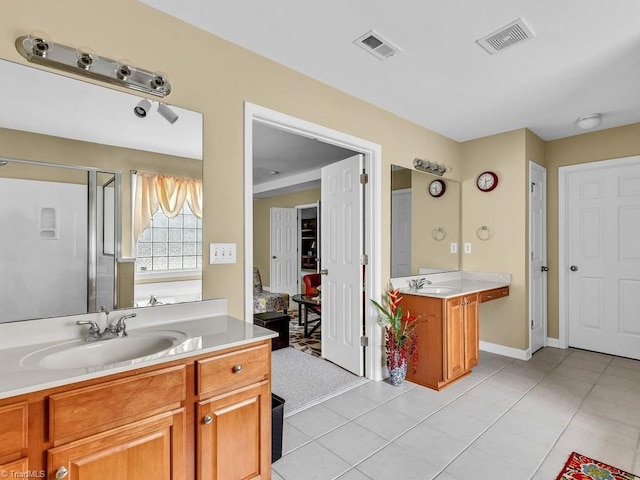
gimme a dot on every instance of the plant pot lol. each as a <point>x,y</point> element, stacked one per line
<point>398,373</point>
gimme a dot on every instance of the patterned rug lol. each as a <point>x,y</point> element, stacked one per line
<point>579,467</point>
<point>309,345</point>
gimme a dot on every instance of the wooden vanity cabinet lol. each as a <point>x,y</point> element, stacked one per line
<point>14,437</point>
<point>206,417</point>
<point>234,415</point>
<point>448,341</point>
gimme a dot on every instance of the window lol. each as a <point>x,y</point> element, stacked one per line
<point>171,244</point>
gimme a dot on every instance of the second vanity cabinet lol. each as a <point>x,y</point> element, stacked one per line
<point>205,417</point>
<point>448,336</point>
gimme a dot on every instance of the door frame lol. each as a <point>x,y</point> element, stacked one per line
<point>373,207</point>
<point>541,169</point>
<point>563,174</point>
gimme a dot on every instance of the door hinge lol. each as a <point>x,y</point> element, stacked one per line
<point>364,178</point>
<point>364,259</point>
<point>364,341</point>
<point>531,324</point>
<point>533,184</point>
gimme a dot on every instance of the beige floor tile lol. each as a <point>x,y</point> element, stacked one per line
<point>311,462</point>
<point>605,429</point>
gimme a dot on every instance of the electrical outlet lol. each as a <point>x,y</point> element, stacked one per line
<point>222,253</point>
<point>467,248</point>
<point>454,247</point>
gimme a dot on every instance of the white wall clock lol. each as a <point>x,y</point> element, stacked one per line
<point>437,188</point>
<point>487,181</point>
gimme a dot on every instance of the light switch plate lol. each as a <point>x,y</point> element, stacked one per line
<point>454,247</point>
<point>222,253</point>
<point>467,248</point>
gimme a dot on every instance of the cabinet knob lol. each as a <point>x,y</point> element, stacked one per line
<point>62,472</point>
<point>489,297</point>
<point>207,420</point>
<point>237,368</point>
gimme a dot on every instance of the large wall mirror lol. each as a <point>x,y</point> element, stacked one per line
<point>425,223</point>
<point>77,166</point>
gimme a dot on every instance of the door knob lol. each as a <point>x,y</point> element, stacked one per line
<point>544,269</point>
<point>574,268</point>
<point>324,271</point>
<point>62,472</point>
<point>274,257</point>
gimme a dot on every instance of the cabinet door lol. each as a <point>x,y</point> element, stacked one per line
<point>234,435</point>
<point>150,448</point>
<point>455,338</point>
<point>471,332</point>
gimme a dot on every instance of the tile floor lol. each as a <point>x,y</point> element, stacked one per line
<point>509,419</point>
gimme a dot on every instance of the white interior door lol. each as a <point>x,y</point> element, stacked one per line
<point>342,283</point>
<point>538,257</point>
<point>603,257</point>
<point>401,233</point>
<point>284,251</point>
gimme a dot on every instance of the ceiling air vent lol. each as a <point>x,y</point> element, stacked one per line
<point>377,45</point>
<point>517,31</point>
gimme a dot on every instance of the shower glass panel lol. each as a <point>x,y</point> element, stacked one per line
<point>47,240</point>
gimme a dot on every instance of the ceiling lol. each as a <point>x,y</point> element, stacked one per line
<point>584,57</point>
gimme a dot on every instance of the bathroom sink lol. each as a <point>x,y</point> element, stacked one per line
<point>134,348</point>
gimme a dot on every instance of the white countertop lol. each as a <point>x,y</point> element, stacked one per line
<point>453,284</point>
<point>204,334</point>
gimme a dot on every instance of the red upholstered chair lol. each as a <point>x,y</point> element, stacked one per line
<point>311,282</point>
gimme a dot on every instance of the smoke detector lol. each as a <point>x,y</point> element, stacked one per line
<point>516,32</point>
<point>377,45</point>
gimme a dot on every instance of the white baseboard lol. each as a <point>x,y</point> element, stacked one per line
<point>505,351</point>
<point>553,342</point>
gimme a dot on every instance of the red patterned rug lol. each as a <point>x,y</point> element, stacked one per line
<point>579,467</point>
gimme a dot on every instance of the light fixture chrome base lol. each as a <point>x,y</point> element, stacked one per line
<point>429,166</point>
<point>54,55</point>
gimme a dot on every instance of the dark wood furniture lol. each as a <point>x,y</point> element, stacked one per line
<point>278,322</point>
<point>311,303</point>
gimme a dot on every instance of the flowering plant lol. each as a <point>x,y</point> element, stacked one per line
<point>401,340</point>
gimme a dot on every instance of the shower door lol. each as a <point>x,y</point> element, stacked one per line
<point>57,240</point>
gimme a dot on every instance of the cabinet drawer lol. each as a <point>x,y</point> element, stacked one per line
<point>234,368</point>
<point>13,430</point>
<point>494,294</point>
<point>88,410</point>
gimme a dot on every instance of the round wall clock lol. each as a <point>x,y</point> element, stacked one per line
<point>487,181</point>
<point>437,188</point>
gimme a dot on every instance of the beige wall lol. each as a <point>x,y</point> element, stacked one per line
<point>591,147</point>
<point>428,214</point>
<point>217,85</point>
<point>504,211</point>
<point>261,224</point>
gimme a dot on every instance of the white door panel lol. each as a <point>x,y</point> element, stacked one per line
<point>538,256</point>
<point>603,247</point>
<point>284,251</point>
<point>342,239</point>
<point>401,233</point>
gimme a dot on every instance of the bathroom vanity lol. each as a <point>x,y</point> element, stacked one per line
<point>447,314</point>
<point>202,411</point>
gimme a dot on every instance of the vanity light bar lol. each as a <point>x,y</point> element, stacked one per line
<point>42,51</point>
<point>429,167</point>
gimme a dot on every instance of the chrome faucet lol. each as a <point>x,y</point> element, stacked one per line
<point>112,330</point>
<point>416,284</point>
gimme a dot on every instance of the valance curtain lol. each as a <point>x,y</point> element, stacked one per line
<point>162,191</point>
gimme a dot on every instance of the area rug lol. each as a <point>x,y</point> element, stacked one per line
<point>580,467</point>
<point>304,380</point>
<point>297,340</point>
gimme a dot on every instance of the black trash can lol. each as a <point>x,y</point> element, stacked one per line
<point>277,420</point>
